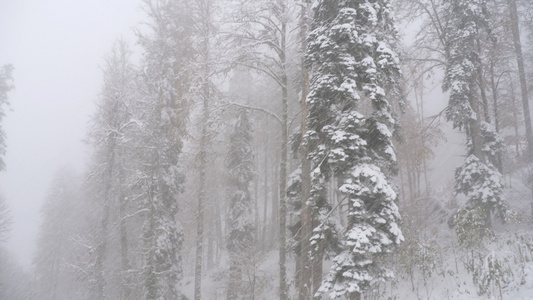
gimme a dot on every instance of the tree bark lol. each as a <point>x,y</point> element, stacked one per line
<point>521,73</point>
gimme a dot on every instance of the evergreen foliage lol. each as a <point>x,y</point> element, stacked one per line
<point>482,186</point>
<point>6,84</point>
<point>477,178</point>
<point>6,220</point>
<point>163,113</point>
<point>470,227</point>
<point>240,217</point>
<point>110,129</point>
<point>467,20</point>
<point>353,64</point>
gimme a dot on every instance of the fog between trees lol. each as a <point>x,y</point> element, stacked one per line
<point>283,150</point>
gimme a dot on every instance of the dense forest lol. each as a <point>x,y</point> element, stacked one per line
<point>289,149</point>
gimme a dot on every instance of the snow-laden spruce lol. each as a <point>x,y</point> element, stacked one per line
<point>164,111</point>
<point>240,162</point>
<point>478,178</point>
<point>354,66</point>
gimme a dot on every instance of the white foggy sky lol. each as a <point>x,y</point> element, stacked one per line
<point>57,48</point>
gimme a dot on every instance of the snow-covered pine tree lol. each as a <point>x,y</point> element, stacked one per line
<point>163,113</point>
<point>353,64</point>
<point>109,136</point>
<point>6,84</point>
<point>55,262</point>
<point>478,179</point>
<point>5,219</point>
<point>240,162</point>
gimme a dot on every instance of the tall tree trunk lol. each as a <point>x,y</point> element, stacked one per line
<point>421,119</point>
<point>265,194</point>
<point>103,230</point>
<point>477,144</point>
<point>475,129</point>
<point>401,167</point>
<point>515,120</point>
<point>218,230</point>
<point>205,14</point>
<point>494,87</point>
<point>305,272</point>
<point>274,224</point>
<point>257,231</point>
<point>200,219</point>
<point>283,164</point>
<point>124,253</point>
<point>521,73</point>
<point>150,280</point>
<point>210,248</point>
<point>481,85</point>
<point>410,178</point>
<point>56,269</point>
<point>101,252</point>
<point>126,290</point>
